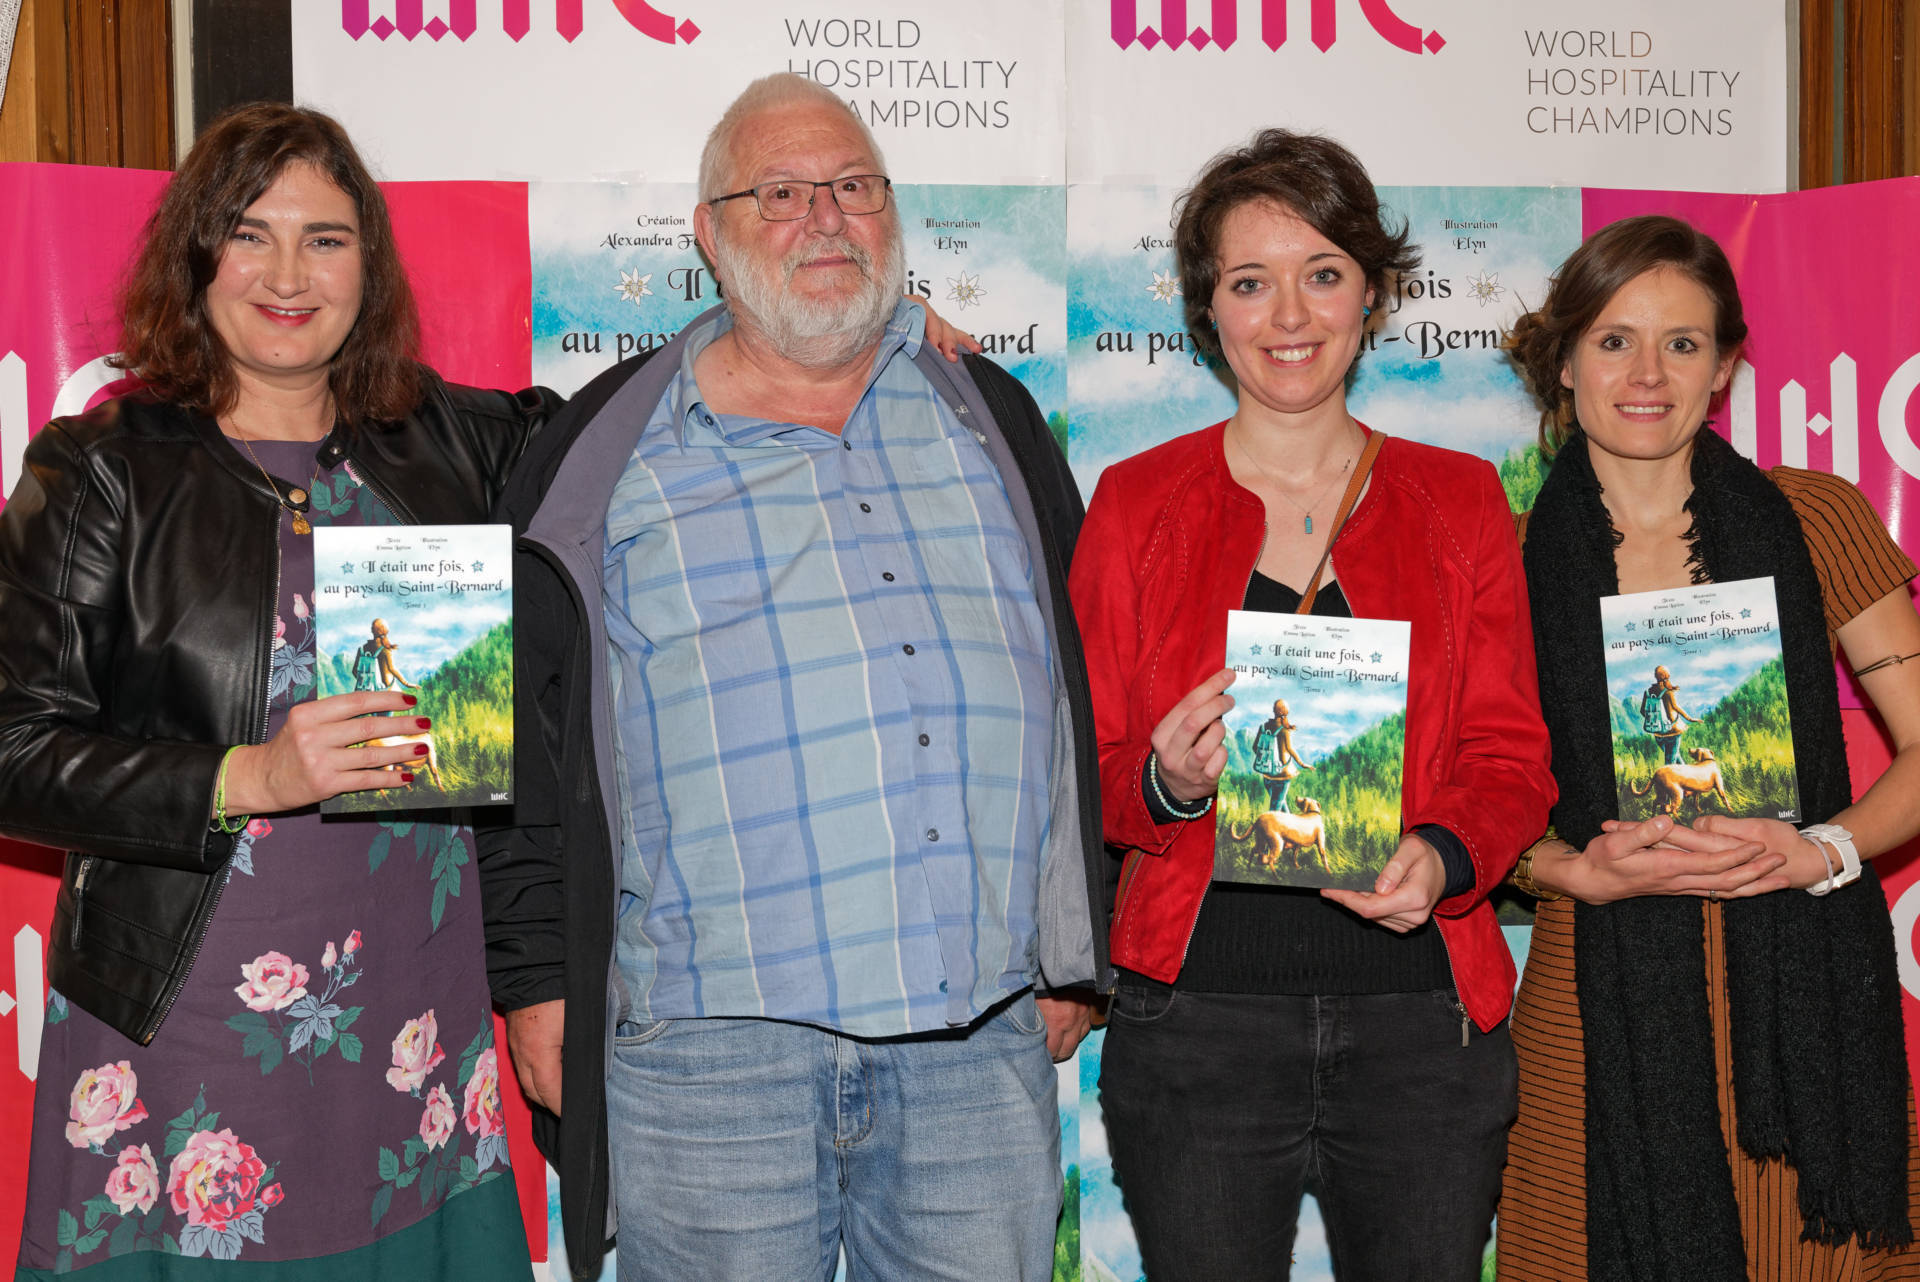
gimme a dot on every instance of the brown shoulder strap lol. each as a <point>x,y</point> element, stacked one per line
<point>1365,465</point>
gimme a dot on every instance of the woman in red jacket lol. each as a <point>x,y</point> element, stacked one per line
<point>1262,1038</point>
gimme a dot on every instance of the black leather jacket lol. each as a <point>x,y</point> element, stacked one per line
<point>139,563</point>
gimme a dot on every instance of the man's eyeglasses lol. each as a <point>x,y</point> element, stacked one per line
<point>789,199</point>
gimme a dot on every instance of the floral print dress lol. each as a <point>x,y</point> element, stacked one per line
<point>323,1100</point>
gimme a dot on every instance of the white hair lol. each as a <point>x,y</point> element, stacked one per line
<point>781,89</point>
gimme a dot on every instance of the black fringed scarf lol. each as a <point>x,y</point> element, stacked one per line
<point>1819,1064</point>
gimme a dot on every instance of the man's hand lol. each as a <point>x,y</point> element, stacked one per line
<point>533,1042</point>
<point>1068,1013</point>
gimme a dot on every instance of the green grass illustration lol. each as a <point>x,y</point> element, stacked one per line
<point>470,700</point>
<point>1358,788</point>
<point>1749,737</point>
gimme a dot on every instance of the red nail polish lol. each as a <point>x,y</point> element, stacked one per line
<point>425,723</point>
<point>405,777</point>
<point>419,749</point>
<point>410,699</point>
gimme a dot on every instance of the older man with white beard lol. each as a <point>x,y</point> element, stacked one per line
<point>795,908</point>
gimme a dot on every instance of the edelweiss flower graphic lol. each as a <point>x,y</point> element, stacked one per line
<point>965,290</point>
<point>1485,288</point>
<point>633,287</point>
<point>1165,288</point>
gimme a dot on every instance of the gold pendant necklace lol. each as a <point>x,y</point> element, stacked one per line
<point>300,523</point>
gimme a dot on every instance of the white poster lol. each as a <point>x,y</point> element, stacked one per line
<point>584,89</point>
<point>1509,93</point>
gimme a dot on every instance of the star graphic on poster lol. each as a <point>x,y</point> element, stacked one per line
<point>1486,287</point>
<point>478,568</point>
<point>346,567</point>
<point>1630,627</point>
<point>633,286</point>
<point>965,290</point>
<point>1256,649</point>
<point>1746,614</point>
<point>1165,288</point>
<point>1376,656</point>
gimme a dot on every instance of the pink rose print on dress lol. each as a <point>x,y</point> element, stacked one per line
<point>352,945</point>
<point>482,1113</point>
<point>299,606</point>
<point>258,828</point>
<point>104,1100</point>
<point>436,1120</point>
<point>135,1182</point>
<point>416,1052</point>
<point>483,1117</point>
<point>274,982</point>
<point>215,1183</point>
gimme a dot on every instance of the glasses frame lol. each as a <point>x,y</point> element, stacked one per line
<point>886,195</point>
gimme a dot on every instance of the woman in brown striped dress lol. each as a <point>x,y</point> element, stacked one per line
<point>1713,1080</point>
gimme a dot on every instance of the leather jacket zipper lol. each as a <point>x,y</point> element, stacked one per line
<point>79,895</point>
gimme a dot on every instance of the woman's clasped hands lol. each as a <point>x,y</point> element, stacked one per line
<point>1717,858</point>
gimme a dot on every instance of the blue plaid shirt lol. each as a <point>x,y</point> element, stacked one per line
<point>833,702</point>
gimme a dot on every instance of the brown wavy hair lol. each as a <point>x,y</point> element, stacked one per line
<point>1316,178</point>
<point>169,341</point>
<point>1542,341</point>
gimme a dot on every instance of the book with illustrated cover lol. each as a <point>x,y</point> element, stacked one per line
<point>1316,743</point>
<point>425,610</point>
<point>1697,700</point>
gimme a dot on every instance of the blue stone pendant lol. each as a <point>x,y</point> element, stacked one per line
<point>1309,523</point>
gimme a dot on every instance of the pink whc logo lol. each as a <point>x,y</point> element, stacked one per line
<point>516,19</point>
<point>1174,34</point>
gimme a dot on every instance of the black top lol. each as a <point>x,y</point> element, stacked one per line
<point>1288,940</point>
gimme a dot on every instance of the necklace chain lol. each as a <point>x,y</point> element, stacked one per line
<point>1305,510</point>
<point>300,523</point>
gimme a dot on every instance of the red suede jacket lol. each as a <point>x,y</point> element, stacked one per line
<point>1169,545</point>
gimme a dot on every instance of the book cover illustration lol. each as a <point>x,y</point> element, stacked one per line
<point>425,610</point>
<point>1697,696</point>
<point>1316,742</point>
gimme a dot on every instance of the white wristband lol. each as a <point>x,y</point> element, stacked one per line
<point>1842,841</point>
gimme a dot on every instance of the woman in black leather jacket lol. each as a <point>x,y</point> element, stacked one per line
<point>270,1038</point>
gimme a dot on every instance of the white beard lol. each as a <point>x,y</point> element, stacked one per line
<point>816,333</point>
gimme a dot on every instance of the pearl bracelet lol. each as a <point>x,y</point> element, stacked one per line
<point>1166,802</point>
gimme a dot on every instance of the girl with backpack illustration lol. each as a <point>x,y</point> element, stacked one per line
<point>1661,714</point>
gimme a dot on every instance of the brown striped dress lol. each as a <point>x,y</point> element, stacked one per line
<point>1542,1230</point>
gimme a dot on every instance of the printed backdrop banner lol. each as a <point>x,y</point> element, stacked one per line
<point>1439,92</point>
<point>1430,92</point>
<point>582,89</point>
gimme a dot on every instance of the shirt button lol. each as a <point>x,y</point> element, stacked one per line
<point>924,741</point>
<point>887,575</point>
<point>933,834</point>
<point>907,648</point>
<point>866,507</point>
<point>943,985</point>
<point>846,445</point>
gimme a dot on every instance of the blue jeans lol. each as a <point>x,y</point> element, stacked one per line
<point>1221,1108</point>
<point>753,1148</point>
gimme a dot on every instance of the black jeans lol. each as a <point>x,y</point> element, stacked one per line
<point>1221,1108</point>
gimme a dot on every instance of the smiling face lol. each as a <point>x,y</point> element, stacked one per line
<point>1646,370</point>
<point>820,287</point>
<point>1288,307</point>
<point>287,291</point>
